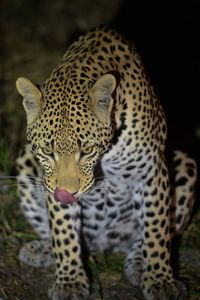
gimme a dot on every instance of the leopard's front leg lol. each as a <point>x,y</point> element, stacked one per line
<point>71,282</point>
<point>150,260</point>
<point>157,277</point>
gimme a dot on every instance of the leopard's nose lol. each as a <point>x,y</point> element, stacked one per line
<point>63,196</point>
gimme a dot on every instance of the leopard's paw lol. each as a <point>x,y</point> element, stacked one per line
<point>69,291</point>
<point>173,290</point>
<point>37,254</point>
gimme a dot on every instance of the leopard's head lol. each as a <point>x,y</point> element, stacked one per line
<point>69,128</point>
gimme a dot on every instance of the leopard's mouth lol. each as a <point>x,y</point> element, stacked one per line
<point>64,197</point>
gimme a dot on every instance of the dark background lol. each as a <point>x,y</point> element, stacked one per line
<point>167,35</point>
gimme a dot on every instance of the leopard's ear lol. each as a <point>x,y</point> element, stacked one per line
<point>101,97</point>
<point>31,98</point>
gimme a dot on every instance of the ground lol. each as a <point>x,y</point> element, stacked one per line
<point>28,50</point>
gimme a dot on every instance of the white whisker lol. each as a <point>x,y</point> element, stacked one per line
<point>16,184</point>
<point>7,185</point>
<point>21,177</point>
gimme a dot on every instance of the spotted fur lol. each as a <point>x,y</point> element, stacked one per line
<point>99,132</point>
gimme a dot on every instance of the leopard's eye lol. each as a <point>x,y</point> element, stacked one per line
<point>47,150</point>
<point>87,150</point>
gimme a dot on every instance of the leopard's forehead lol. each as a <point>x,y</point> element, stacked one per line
<point>67,130</point>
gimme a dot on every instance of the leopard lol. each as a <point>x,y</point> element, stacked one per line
<point>94,173</point>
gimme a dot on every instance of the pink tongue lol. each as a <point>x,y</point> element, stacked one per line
<point>63,196</point>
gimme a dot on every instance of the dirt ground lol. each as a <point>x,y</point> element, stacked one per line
<point>32,47</point>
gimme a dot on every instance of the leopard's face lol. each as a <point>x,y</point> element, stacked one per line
<point>69,136</point>
<point>69,155</point>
